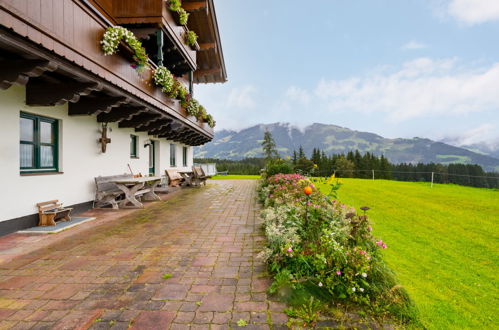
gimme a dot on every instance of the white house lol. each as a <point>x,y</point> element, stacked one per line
<point>62,101</point>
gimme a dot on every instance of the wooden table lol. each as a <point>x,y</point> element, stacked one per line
<point>187,175</point>
<point>133,187</point>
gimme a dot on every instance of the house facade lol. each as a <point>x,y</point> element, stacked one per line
<point>70,113</point>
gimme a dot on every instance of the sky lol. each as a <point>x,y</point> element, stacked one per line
<point>397,68</point>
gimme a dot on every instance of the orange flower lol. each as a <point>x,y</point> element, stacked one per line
<point>307,190</point>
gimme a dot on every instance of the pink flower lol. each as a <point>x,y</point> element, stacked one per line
<point>290,250</point>
<point>370,228</point>
<point>379,243</point>
<point>383,246</point>
<point>308,203</point>
<point>368,257</point>
<point>338,272</point>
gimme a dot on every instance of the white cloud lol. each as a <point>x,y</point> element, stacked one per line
<point>414,45</point>
<point>242,97</point>
<point>423,87</point>
<point>474,11</point>
<point>297,94</point>
<point>485,135</point>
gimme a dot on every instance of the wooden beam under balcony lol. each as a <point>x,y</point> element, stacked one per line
<point>96,105</point>
<point>136,121</point>
<point>43,93</point>
<point>120,113</point>
<point>201,73</point>
<point>195,6</point>
<point>19,71</point>
<point>207,46</point>
<point>154,125</point>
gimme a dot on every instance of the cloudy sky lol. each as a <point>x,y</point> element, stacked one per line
<point>427,68</point>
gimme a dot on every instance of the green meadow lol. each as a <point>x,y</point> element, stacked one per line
<point>442,243</point>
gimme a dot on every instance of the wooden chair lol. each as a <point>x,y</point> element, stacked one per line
<point>199,177</point>
<point>49,212</point>
<point>174,178</point>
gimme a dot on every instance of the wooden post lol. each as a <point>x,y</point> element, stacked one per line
<point>373,175</point>
<point>432,173</point>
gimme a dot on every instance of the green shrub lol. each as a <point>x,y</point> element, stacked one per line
<point>316,243</point>
<point>191,38</point>
<point>277,166</point>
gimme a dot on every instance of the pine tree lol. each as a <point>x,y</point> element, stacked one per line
<point>269,146</point>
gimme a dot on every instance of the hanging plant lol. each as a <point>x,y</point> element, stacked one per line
<point>192,107</point>
<point>183,16</point>
<point>164,78</point>
<point>201,113</point>
<point>175,5</point>
<point>191,38</point>
<point>211,122</point>
<point>111,41</point>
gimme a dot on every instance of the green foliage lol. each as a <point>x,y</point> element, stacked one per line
<point>111,41</point>
<point>276,166</point>
<point>192,107</point>
<point>164,78</point>
<point>442,243</point>
<point>166,276</point>
<point>314,239</point>
<point>175,5</point>
<point>242,323</point>
<point>209,119</point>
<point>183,16</point>
<point>191,38</point>
<point>309,312</point>
<point>269,147</point>
<point>247,166</point>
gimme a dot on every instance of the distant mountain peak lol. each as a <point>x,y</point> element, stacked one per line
<point>231,144</point>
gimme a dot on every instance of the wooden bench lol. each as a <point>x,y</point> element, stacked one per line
<point>199,177</point>
<point>174,178</point>
<point>50,211</point>
<point>107,192</point>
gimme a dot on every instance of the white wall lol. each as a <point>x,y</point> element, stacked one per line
<point>80,158</point>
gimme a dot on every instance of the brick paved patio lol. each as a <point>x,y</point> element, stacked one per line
<point>117,275</point>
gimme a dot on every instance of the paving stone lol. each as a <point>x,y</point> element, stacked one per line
<point>206,238</point>
<point>153,320</point>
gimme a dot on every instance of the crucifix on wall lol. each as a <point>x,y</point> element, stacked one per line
<point>104,140</point>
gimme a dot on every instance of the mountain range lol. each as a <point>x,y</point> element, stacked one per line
<point>229,144</point>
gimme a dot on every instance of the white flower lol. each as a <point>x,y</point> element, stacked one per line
<point>353,289</point>
<point>361,289</point>
<point>320,284</point>
<point>364,275</point>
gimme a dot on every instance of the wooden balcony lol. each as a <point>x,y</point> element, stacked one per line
<point>64,37</point>
<point>146,13</point>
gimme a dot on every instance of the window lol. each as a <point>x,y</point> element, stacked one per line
<point>172,155</point>
<point>134,139</point>
<point>184,156</point>
<point>38,144</point>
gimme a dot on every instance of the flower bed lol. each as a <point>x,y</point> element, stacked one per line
<point>317,243</point>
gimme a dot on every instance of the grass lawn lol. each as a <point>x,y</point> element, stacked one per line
<point>442,243</point>
<point>235,177</point>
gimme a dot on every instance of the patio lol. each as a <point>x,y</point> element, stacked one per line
<point>189,262</point>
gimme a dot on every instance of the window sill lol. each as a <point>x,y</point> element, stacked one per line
<point>134,157</point>
<point>40,173</point>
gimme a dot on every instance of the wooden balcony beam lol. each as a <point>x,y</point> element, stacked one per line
<point>43,93</point>
<point>207,46</point>
<point>201,73</point>
<point>136,121</point>
<point>119,114</point>
<point>195,6</point>
<point>19,71</point>
<point>96,105</point>
<point>155,125</point>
